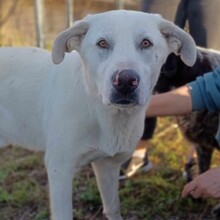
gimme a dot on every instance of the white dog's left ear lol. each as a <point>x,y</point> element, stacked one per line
<point>68,40</point>
<point>179,42</point>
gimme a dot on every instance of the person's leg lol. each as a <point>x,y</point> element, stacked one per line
<point>195,15</point>
<point>167,8</point>
<point>181,15</point>
<point>203,17</point>
<point>139,159</point>
<point>149,127</point>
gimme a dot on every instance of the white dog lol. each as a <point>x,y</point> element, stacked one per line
<point>91,107</point>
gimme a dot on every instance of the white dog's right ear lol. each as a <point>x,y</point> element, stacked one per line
<point>69,40</point>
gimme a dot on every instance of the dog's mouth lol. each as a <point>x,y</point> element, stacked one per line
<point>124,102</point>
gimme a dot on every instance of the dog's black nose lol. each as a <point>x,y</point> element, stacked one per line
<point>125,81</point>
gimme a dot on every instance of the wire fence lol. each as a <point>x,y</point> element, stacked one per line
<point>37,22</point>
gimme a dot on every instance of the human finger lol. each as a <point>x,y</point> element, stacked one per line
<point>197,193</point>
<point>188,188</point>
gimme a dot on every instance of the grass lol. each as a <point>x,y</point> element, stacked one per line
<point>153,196</point>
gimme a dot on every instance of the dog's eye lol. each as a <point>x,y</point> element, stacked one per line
<point>145,43</point>
<point>103,44</point>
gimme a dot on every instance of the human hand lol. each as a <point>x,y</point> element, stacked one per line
<point>206,185</point>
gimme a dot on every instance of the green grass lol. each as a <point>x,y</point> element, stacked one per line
<point>153,196</point>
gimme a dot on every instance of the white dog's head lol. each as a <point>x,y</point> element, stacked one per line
<point>123,52</point>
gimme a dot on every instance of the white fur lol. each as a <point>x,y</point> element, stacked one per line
<point>65,109</point>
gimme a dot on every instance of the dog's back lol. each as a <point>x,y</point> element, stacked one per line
<point>28,82</point>
<point>17,108</point>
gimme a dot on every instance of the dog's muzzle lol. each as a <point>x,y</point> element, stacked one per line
<point>124,88</point>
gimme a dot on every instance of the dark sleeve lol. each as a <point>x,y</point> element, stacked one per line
<point>205,91</point>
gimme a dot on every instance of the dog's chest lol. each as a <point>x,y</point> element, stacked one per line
<point>113,144</point>
<point>119,135</point>
<point>109,134</point>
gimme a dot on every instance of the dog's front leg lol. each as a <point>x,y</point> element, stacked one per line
<point>107,174</point>
<point>60,175</point>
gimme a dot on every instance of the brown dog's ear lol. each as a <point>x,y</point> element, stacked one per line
<point>179,42</point>
<point>69,40</point>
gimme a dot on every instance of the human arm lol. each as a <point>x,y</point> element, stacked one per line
<point>203,93</point>
<point>175,102</point>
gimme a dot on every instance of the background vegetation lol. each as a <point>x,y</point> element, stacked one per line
<point>152,196</point>
<point>23,181</point>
